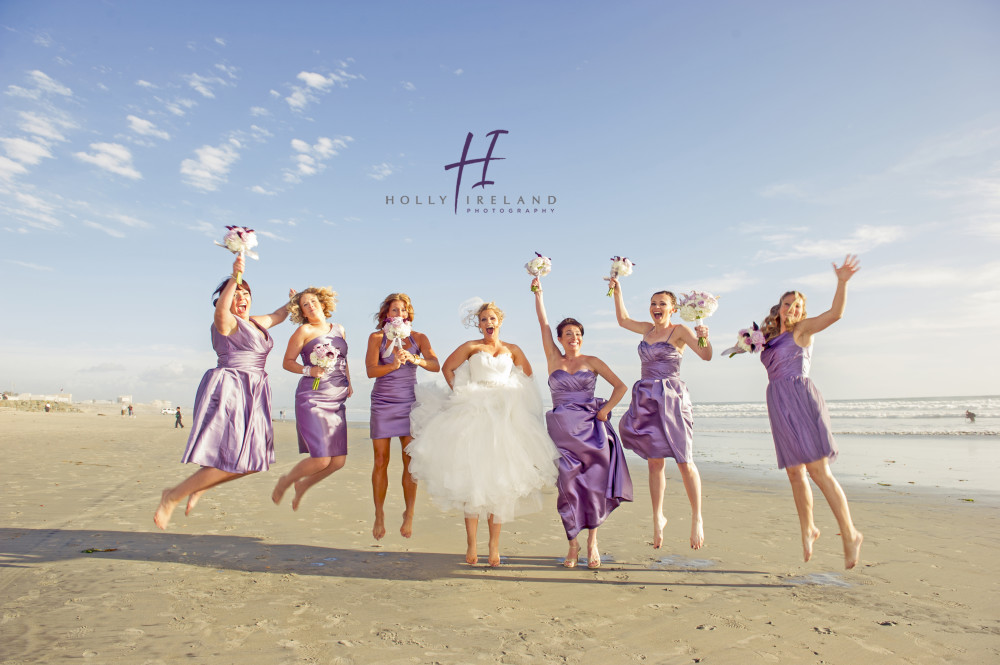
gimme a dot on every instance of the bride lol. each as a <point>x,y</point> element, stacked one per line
<point>481,446</point>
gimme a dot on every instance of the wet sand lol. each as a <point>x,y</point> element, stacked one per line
<point>241,580</point>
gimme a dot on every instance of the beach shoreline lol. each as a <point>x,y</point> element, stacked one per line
<point>86,574</point>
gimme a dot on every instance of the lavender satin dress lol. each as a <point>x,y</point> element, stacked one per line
<point>659,422</point>
<point>393,395</point>
<point>593,477</point>
<point>321,414</point>
<point>231,424</point>
<point>800,424</point>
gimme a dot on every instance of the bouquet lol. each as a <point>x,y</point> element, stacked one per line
<point>325,356</point>
<point>748,340</point>
<point>620,267</point>
<point>240,241</point>
<point>696,306</point>
<point>540,266</point>
<point>396,329</point>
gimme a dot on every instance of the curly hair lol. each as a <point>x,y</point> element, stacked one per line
<point>327,299</point>
<point>383,309</point>
<point>772,322</point>
<point>472,318</point>
<point>568,321</point>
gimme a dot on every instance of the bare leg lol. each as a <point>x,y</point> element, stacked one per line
<point>573,556</point>
<point>692,485</point>
<point>332,464</point>
<point>409,491</point>
<point>657,484</point>
<point>593,552</point>
<point>804,506</point>
<point>494,559</point>
<point>820,472</point>
<point>380,484</point>
<point>201,480</point>
<point>192,501</point>
<point>471,526</point>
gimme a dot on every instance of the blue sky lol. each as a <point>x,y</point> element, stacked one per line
<point>730,146</point>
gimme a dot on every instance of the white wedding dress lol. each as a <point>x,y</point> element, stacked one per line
<point>483,447</point>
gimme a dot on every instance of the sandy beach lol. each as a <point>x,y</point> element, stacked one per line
<point>86,575</point>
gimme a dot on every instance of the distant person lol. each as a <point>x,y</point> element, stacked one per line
<point>48,407</point>
<point>131,414</point>
<point>971,416</point>
<point>321,396</point>
<point>394,368</point>
<point>177,419</point>
<point>231,432</point>
<point>800,423</point>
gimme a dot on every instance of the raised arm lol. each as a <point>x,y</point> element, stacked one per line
<point>225,321</point>
<point>552,353</point>
<point>690,339</point>
<point>641,327</point>
<point>277,316</point>
<point>806,328</point>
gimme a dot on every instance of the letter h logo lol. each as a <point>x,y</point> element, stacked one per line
<point>465,161</point>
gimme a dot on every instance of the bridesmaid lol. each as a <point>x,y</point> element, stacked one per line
<point>800,424</point>
<point>320,414</point>
<point>593,477</point>
<point>231,433</point>
<point>659,422</point>
<point>395,373</point>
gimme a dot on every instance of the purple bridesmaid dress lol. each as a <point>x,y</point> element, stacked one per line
<point>321,414</point>
<point>659,421</point>
<point>593,478</point>
<point>231,424</point>
<point>800,424</point>
<point>393,395</point>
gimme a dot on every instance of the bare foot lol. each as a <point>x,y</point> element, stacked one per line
<point>573,556</point>
<point>470,555</point>
<point>406,528</point>
<point>378,531</point>
<point>593,558</point>
<point>852,552</point>
<point>300,490</point>
<point>697,534</point>
<point>807,544</point>
<point>494,559</point>
<point>279,490</point>
<point>166,508</point>
<point>192,501</point>
<point>658,531</point>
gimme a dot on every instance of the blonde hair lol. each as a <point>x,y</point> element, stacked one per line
<point>772,322</point>
<point>472,318</point>
<point>327,300</point>
<point>383,309</point>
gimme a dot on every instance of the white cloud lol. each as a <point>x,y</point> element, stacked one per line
<point>42,127</point>
<point>212,165</point>
<point>922,277</point>
<point>144,84</point>
<point>112,157</point>
<point>459,72</point>
<point>315,83</point>
<point>180,106</point>
<point>863,239</point>
<point>409,87</point>
<point>220,41</point>
<point>33,211</point>
<point>259,111</point>
<point>9,168</point>
<point>114,233</point>
<point>43,39</point>
<point>380,171</point>
<point>259,133</point>
<point>257,189</point>
<point>146,128</point>
<point>25,151</point>
<point>203,84</point>
<point>42,83</point>
<point>783,190</point>
<point>949,147</point>
<point>31,266</point>
<point>228,70</point>
<point>271,236</point>
<point>130,221</point>
<point>310,158</point>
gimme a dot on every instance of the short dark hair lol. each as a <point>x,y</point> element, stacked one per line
<point>568,321</point>
<point>218,290</point>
